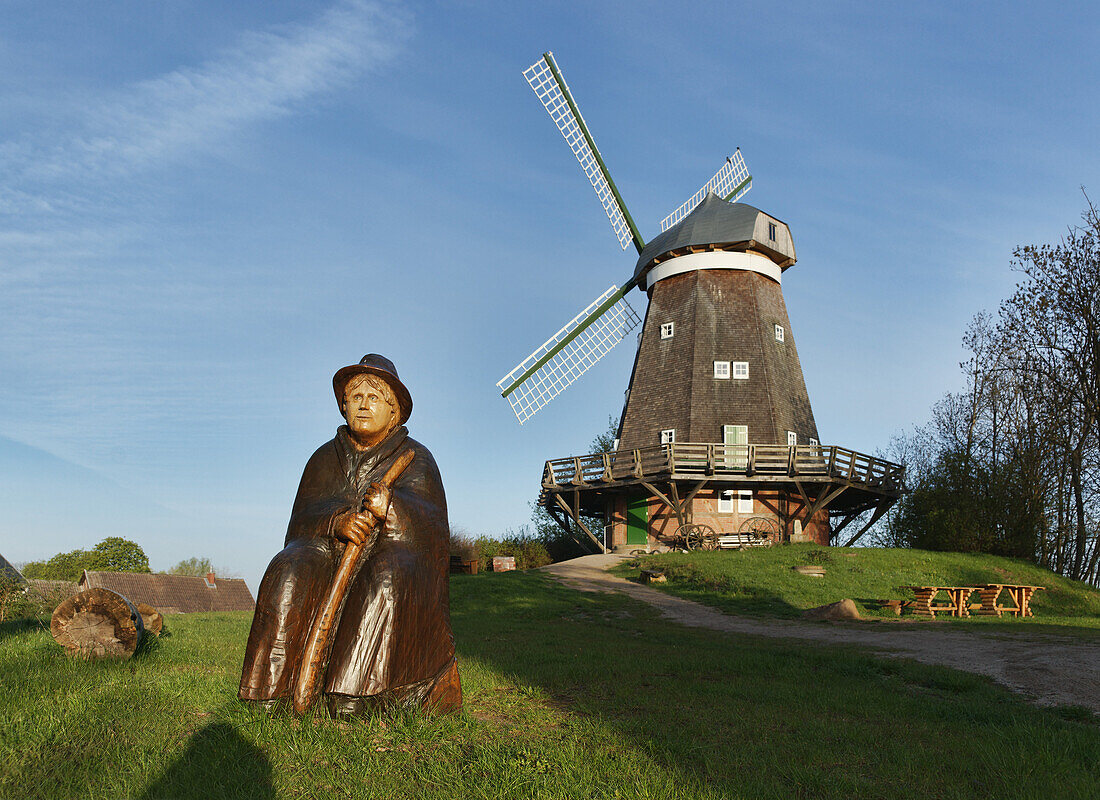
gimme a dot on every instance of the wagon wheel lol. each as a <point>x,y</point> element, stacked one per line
<point>698,537</point>
<point>761,528</point>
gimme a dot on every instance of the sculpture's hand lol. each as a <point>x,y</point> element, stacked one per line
<point>377,501</point>
<point>355,527</point>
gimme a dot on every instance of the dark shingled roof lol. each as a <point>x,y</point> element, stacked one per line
<point>7,571</point>
<point>49,589</point>
<point>713,222</point>
<point>174,594</point>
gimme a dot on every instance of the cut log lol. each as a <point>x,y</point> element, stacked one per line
<point>151,619</point>
<point>97,623</point>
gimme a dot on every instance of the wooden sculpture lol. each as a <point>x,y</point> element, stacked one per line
<point>355,608</point>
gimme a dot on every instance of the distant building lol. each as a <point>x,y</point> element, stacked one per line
<point>174,594</point>
<point>8,572</point>
<point>52,590</point>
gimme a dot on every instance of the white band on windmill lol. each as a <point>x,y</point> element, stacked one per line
<point>730,183</point>
<point>569,353</point>
<point>552,95</point>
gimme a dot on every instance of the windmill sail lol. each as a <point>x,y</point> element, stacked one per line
<point>729,183</point>
<point>549,86</point>
<point>569,353</point>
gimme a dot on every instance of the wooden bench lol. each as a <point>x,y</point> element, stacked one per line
<point>1021,596</point>
<point>958,606</point>
<point>464,566</point>
<point>736,541</point>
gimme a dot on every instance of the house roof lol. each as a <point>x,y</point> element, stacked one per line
<point>46,588</point>
<point>174,594</point>
<point>10,572</point>
<point>715,222</point>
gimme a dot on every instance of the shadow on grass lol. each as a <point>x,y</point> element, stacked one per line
<point>17,627</point>
<point>724,713</point>
<point>218,762</point>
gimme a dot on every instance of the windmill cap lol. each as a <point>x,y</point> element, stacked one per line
<point>718,224</point>
<point>374,364</point>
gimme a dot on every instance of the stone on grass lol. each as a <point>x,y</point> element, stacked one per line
<point>842,609</point>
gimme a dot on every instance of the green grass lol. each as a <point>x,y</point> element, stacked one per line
<point>761,581</point>
<point>568,695</point>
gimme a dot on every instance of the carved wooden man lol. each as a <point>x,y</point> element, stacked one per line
<point>393,644</point>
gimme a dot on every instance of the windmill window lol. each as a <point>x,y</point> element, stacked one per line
<point>736,450</point>
<point>780,334</point>
<point>741,370</point>
<point>722,370</point>
<point>792,438</point>
<point>813,442</point>
<point>744,501</point>
<point>668,436</point>
<point>725,502</point>
<point>771,231</point>
<point>667,329</point>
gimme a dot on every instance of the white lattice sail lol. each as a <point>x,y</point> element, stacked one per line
<point>729,178</point>
<point>587,338</point>
<point>572,127</point>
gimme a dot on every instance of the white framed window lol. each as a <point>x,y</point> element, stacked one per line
<point>668,436</point>
<point>740,370</point>
<point>725,502</point>
<point>615,446</point>
<point>813,442</point>
<point>667,329</point>
<point>792,438</point>
<point>780,334</point>
<point>744,501</point>
<point>771,231</point>
<point>722,370</point>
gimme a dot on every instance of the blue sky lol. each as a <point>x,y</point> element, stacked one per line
<point>208,208</point>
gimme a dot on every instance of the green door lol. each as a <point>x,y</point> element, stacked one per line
<point>637,520</point>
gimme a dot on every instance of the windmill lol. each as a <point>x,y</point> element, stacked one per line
<point>607,320</point>
<point>717,430</point>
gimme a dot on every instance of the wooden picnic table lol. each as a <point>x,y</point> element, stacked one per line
<point>959,606</point>
<point>1021,596</point>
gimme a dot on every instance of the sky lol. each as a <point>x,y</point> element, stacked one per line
<point>206,209</point>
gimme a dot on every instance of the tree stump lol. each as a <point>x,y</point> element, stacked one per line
<point>97,623</point>
<point>151,619</point>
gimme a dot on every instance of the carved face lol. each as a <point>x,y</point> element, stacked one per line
<point>370,409</point>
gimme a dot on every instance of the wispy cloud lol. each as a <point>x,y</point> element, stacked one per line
<point>84,284</point>
<point>268,74</point>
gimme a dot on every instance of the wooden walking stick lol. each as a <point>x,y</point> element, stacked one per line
<point>319,645</point>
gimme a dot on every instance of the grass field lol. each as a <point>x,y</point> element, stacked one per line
<point>760,581</point>
<point>568,695</point>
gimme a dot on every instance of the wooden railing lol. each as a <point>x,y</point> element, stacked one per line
<point>690,459</point>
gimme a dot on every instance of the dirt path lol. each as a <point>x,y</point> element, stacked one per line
<point>1047,669</point>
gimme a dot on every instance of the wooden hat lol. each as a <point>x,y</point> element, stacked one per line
<point>375,365</point>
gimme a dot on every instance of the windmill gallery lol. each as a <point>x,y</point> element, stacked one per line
<point>717,442</point>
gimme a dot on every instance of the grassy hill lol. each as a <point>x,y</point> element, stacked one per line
<point>567,695</point>
<point>761,581</point>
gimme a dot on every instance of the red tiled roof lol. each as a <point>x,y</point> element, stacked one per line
<point>174,594</point>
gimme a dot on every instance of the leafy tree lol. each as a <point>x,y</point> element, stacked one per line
<point>113,554</point>
<point>34,569</point>
<point>1011,464</point>
<point>68,566</point>
<point>195,567</point>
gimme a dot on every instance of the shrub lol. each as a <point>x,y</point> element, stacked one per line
<point>529,551</point>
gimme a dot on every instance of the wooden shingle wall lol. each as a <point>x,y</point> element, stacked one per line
<point>719,315</point>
